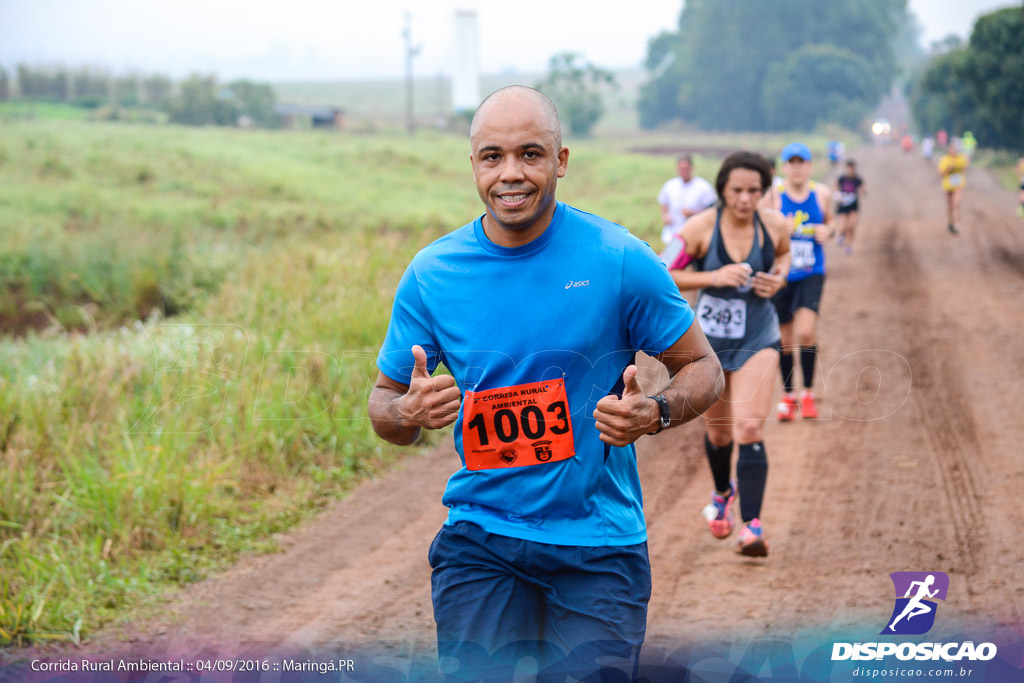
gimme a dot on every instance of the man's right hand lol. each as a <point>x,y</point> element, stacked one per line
<point>430,402</point>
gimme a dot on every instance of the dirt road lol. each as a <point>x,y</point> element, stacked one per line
<point>916,465</point>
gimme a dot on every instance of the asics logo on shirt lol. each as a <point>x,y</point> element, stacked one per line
<point>579,283</point>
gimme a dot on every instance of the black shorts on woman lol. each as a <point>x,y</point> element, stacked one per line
<point>805,293</point>
<point>737,322</point>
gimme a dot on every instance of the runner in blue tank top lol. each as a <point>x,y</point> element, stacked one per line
<point>809,208</point>
<point>741,256</point>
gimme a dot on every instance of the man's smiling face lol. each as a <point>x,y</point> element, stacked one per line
<point>517,160</point>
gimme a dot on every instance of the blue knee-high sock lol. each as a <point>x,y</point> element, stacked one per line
<point>751,473</point>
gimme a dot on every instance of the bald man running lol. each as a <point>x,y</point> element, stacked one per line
<point>537,309</point>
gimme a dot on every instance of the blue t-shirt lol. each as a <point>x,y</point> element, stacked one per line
<point>576,303</point>
<point>807,254</point>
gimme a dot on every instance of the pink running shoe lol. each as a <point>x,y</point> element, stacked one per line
<point>787,408</point>
<point>808,410</point>
<point>718,513</point>
<point>751,540</point>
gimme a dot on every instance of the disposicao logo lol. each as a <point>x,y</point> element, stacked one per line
<point>914,614</point>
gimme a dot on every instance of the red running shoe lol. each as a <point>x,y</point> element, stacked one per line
<point>787,408</point>
<point>808,410</point>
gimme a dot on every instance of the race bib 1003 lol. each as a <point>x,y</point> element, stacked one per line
<point>723,318</point>
<point>526,424</point>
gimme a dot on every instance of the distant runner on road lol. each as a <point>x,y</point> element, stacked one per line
<point>849,190</point>
<point>538,310</point>
<point>836,149</point>
<point>741,256</point>
<point>809,208</point>
<point>928,148</point>
<point>681,197</point>
<point>953,171</point>
<point>969,143</point>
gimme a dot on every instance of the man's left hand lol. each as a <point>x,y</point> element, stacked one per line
<point>622,421</point>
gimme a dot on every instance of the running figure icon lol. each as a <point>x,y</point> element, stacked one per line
<point>916,607</point>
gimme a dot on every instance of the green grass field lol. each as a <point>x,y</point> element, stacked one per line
<point>190,323</point>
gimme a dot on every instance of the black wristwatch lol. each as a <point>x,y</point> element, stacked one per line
<point>663,409</point>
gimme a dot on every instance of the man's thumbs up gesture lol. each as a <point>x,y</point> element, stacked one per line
<point>430,402</point>
<point>622,421</point>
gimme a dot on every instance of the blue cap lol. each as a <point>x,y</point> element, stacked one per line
<point>796,149</point>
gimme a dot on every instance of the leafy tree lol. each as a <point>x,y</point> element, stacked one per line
<point>255,100</point>
<point>126,91</point>
<point>977,87</point>
<point>993,69</point>
<point>712,72</point>
<point>91,83</point>
<point>576,91</point>
<point>658,96</point>
<point>5,85</point>
<point>156,90</point>
<point>200,102</point>
<point>90,88</point>
<point>940,97</point>
<point>909,53</point>
<point>43,83</point>
<point>818,84</point>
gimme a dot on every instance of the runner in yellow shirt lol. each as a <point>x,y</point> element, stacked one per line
<point>953,169</point>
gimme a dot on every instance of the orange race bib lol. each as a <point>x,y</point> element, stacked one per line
<point>527,424</point>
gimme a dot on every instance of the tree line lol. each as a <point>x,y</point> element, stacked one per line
<point>978,86</point>
<point>751,65</point>
<point>198,100</point>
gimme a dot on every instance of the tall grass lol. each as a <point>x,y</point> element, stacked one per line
<point>150,450</point>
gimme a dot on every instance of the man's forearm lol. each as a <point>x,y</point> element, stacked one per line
<point>387,419</point>
<point>694,388</point>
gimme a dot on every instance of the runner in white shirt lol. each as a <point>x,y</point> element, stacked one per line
<point>682,197</point>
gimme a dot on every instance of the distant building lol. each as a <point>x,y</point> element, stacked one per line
<point>466,69</point>
<point>295,115</point>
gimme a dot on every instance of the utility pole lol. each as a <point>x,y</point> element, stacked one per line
<point>410,52</point>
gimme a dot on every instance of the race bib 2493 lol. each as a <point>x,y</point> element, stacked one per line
<point>722,318</point>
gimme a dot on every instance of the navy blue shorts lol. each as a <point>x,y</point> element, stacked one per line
<point>500,600</point>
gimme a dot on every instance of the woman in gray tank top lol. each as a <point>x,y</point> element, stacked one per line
<point>736,320</point>
<point>740,259</point>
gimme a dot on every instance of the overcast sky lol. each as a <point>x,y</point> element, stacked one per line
<point>345,39</point>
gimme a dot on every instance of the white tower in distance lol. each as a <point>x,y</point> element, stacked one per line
<point>466,70</point>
